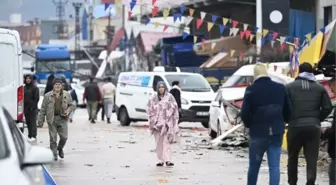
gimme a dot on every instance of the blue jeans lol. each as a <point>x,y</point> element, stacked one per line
<point>258,146</point>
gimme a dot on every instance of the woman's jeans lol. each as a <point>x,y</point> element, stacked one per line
<point>108,107</point>
<point>258,146</point>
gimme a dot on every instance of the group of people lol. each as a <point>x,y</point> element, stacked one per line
<point>100,98</point>
<point>303,104</point>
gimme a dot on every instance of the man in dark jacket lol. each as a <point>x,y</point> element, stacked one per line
<point>176,92</point>
<point>31,99</point>
<point>266,108</point>
<point>93,96</point>
<point>311,105</point>
<point>330,135</point>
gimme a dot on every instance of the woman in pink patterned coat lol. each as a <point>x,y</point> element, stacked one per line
<point>163,120</point>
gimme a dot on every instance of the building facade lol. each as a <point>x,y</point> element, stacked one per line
<point>325,12</point>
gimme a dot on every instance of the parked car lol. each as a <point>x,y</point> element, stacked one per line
<point>79,91</point>
<point>20,162</point>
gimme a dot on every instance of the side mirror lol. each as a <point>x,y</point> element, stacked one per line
<point>37,155</point>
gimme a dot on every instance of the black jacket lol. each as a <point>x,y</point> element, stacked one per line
<point>92,92</point>
<point>330,135</point>
<point>74,95</point>
<point>266,108</point>
<point>31,97</point>
<point>177,95</point>
<point>310,101</point>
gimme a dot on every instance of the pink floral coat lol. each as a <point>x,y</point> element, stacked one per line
<point>163,115</point>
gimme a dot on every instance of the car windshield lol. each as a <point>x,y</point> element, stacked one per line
<point>193,83</point>
<point>55,66</point>
<point>236,81</point>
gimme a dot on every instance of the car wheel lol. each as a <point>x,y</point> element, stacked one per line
<point>123,117</point>
<point>205,124</point>
<point>212,133</point>
<point>219,129</point>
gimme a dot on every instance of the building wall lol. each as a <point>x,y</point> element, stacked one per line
<point>320,5</point>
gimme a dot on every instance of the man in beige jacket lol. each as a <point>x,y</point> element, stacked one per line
<point>108,96</point>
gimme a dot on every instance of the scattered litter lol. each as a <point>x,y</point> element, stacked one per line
<point>90,165</point>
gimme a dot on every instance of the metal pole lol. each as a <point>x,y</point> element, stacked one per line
<point>259,25</point>
<point>77,7</point>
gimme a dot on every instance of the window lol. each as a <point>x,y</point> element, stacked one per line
<point>55,66</point>
<point>192,83</point>
<point>10,61</point>
<point>41,90</point>
<point>16,134</point>
<point>236,80</point>
<point>4,150</point>
<point>327,15</point>
<point>156,80</point>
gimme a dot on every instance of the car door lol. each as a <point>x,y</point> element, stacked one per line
<point>215,110</point>
<point>142,96</point>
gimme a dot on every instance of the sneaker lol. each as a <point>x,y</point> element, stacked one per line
<point>169,164</point>
<point>108,120</point>
<point>32,139</point>
<point>61,153</point>
<point>93,121</point>
<point>55,158</point>
<point>159,164</point>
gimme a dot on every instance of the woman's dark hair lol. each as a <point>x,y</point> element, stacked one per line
<point>306,67</point>
<point>49,85</point>
<point>175,83</point>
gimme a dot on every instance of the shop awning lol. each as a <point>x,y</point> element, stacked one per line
<point>150,39</point>
<point>221,60</point>
<point>117,37</point>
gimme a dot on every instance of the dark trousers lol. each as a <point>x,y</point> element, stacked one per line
<point>30,117</point>
<point>101,106</point>
<point>332,172</point>
<point>258,146</point>
<point>309,139</point>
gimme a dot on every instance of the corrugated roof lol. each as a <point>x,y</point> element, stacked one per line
<point>149,39</point>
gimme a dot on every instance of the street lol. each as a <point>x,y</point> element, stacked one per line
<point>108,154</point>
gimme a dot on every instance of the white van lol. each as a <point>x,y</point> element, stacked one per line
<point>11,74</point>
<point>134,89</point>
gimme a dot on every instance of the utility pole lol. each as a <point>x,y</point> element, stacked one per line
<point>77,7</point>
<point>61,26</point>
<point>109,28</point>
<point>90,24</point>
<point>259,25</point>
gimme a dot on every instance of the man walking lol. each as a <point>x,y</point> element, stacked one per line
<point>266,108</point>
<point>311,105</point>
<point>31,99</point>
<point>56,107</point>
<point>108,95</point>
<point>93,96</point>
<point>176,92</point>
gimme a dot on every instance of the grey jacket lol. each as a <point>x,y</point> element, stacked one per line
<point>310,103</point>
<point>47,108</point>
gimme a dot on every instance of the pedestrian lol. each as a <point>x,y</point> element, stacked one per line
<point>101,104</point>
<point>330,135</point>
<point>65,84</point>
<point>265,116</point>
<point>49,87</point>
<point>31,99</point>
<point>35,79</point>
<point>92,95</point>
<point>56,107</point>
<point>108,96</point>
<point>163,116</point>
<point>176,92</point>
<point>74,98</point>
<point>311,105</point>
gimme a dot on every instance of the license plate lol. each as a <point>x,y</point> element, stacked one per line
<point>202,113</point>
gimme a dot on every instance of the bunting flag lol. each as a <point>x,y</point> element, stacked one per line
<point>213,45</point>
<point>234,24</point>
<point>242,34</point>
<point>232,52</point>
<point>181,9</point>
<point>155,11</point>
<point>282,39</point>
<point>308,37</point>
<point>191,11</point>
<point>234,31</point>
<point>213,18</point>
<point>195,39</point>
<point>210,25</point>
<point>221,29</point>
<point>251,37</point>
<point>153,2</point>
<point>156,24</point>
<point>265,32</point>
<point>184,35</point>
<point>245,27</point>
<point>188,20</point>
<point>275,35</point>
<point>165,13</point>
<point>107,5</point>
<point>247,34</point>
<point>199,23</point>
<point>272,43</point>
<point>177,16</point>
<point>225,21</point>
<point>165,28</point>
<point>147,21</point>
<point>132,4</point>
<point>203,14</point>
<point>291,49</point>
<point>241,55</point>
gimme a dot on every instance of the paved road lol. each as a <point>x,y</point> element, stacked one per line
<point>110,154</point>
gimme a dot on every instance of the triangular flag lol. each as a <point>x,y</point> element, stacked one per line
<point>242,34</point>
<point>195,39</point>
<point>245,27</point>
<point>275,35</point>
<point>241,55</point>
<point>147,21</point>
<point>282,47</point>
<point>176,16</point>
<point>270,37</point>
<point>199,23</point>
<point>155,11</point>
<point>225,21</point>
<point>184,35</point>
<point>232,52</point>
<point>256,29</point>
<point>259,35</point>
<point>203,14</point>
<point>191,11</point>
<point>247,33</point>
<point>165,13</point>
<point>213,18</point>
<point>234,31</point>
<point>221,29</point>
<point>272,43</point>
<point>308,37</point>
<point>322,30</point>
<point>291,49</point>
<point>153,2</point>
<point>188,20</point>
<point>156,24</point>
<point>222,49</point>
<point>181,9</point>
<point>282,39</point>
<point>275,67</point>
<point>262,41</point>
<point>251,37</point>
<point>265,32</point>
<point>107,5</point>
<point>132,4</point>
<point>213,45</point>
<point>234,23</point>
<point>210,25</point>
<point>165,28</point>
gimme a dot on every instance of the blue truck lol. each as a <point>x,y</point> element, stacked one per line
<point>52,59</point>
